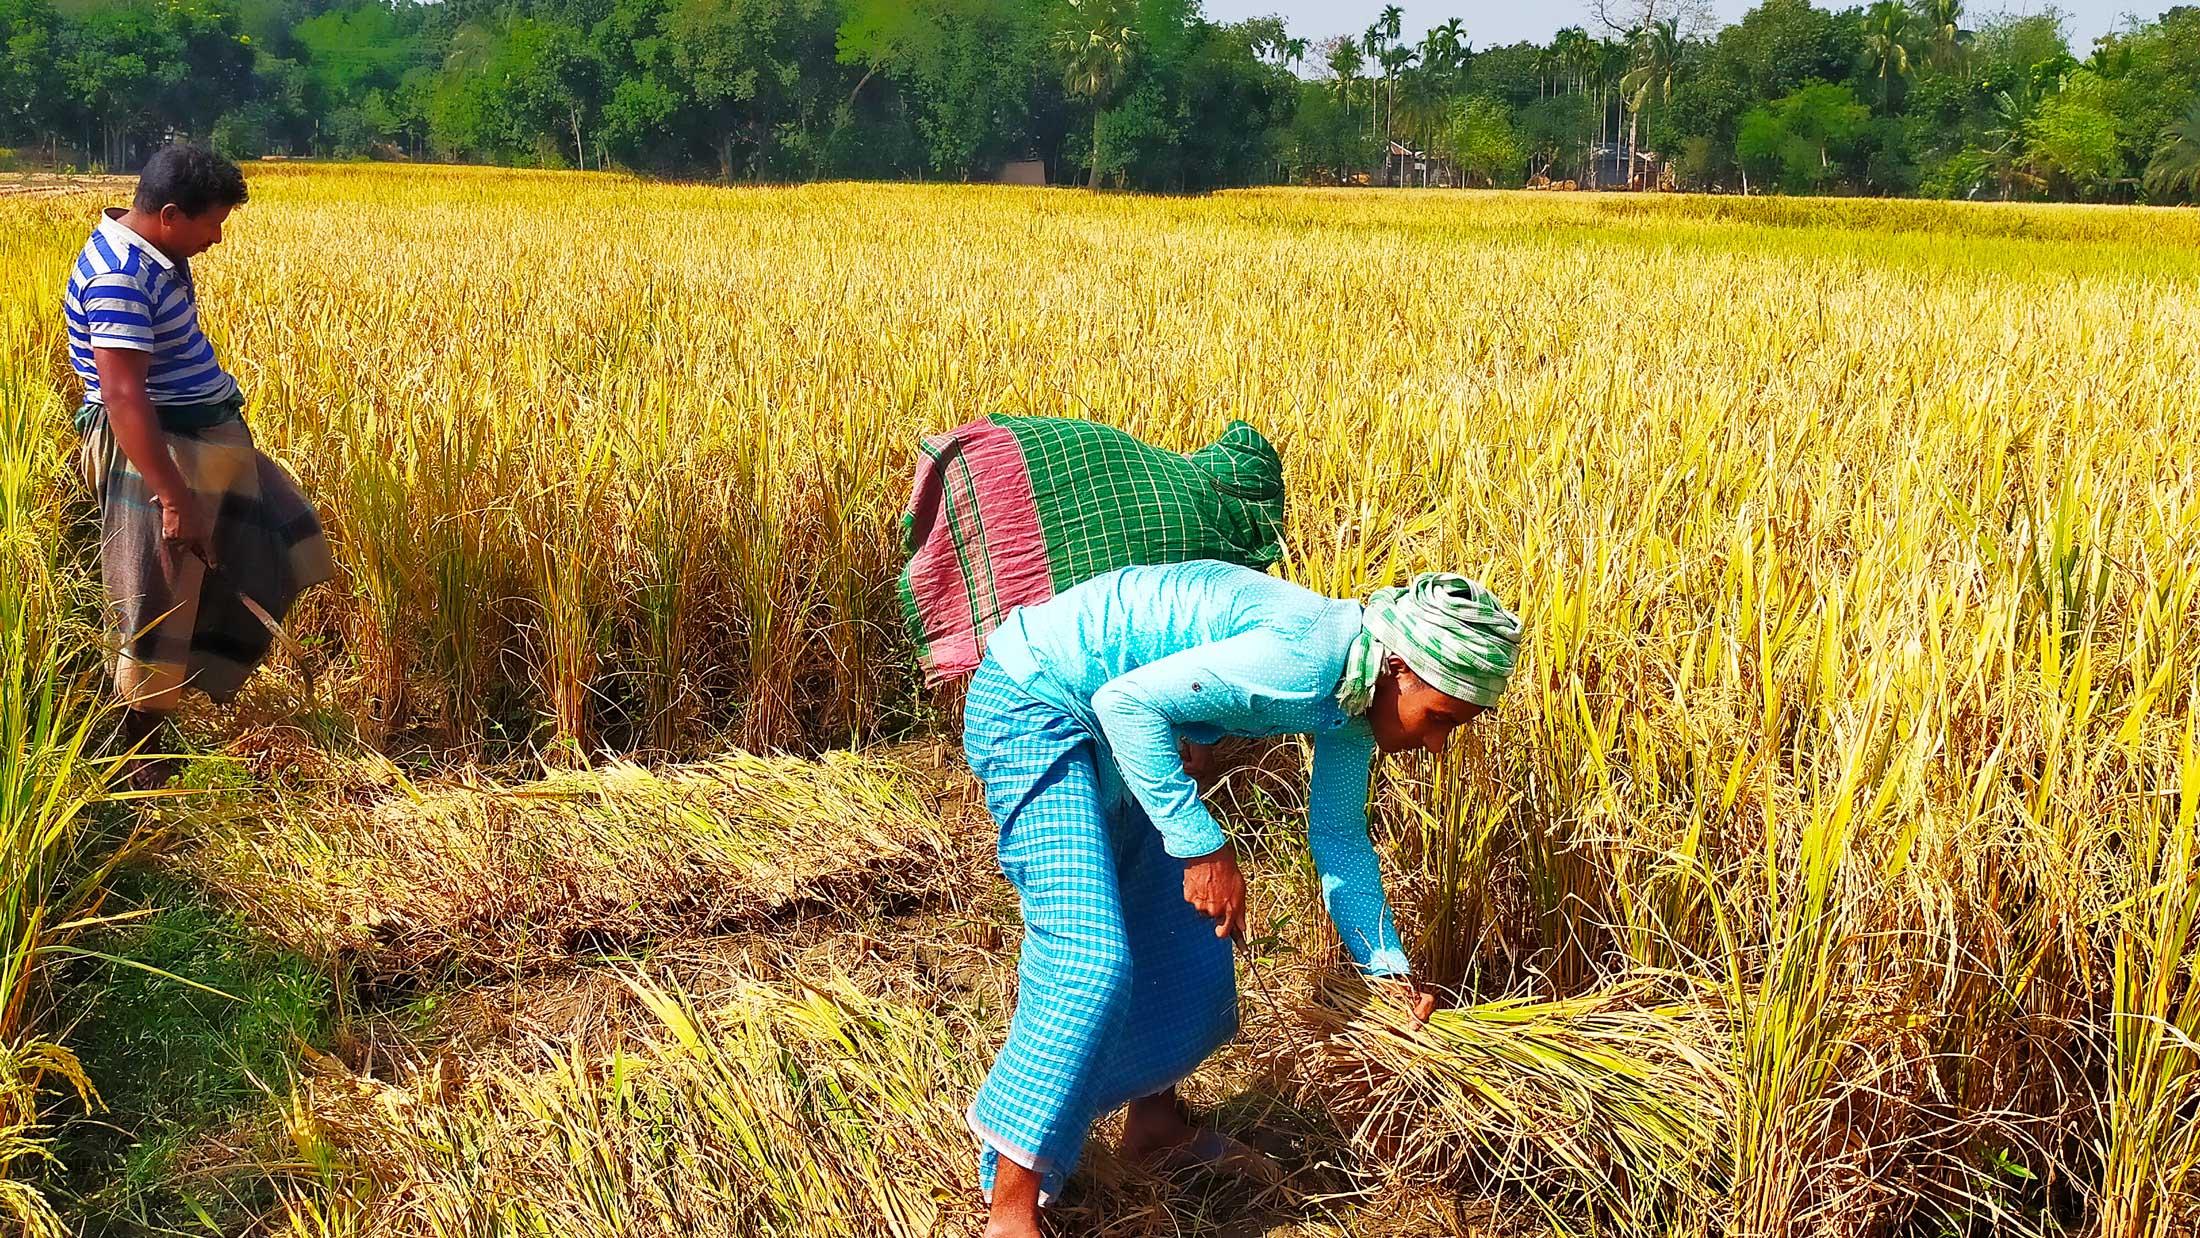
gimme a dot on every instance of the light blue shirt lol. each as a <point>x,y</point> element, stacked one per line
<point>1145,656</point>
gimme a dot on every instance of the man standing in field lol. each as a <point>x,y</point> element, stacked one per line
<point>192,518</point>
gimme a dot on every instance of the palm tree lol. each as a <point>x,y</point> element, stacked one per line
<point>2175,167</point>
<point>2012,119</point>
<point>1457,49</point>
<point>1371,46</point>
<point>1345,64</point>
<point>1612,60</point>
<point>1096,54</point>
<point>1573,57</point>
<point>1294,53</point>
<point>1570,54</point>
<point>1657,51</point>
<point>1436,52</point>
<point>1422,103</point>
<point>1889,34</point>
<point>1942,22</point>
<point>1392,23</point>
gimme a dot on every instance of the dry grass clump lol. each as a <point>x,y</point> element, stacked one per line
<point>950,957</point>
<point>768,1084</point>
<point>486,877</point>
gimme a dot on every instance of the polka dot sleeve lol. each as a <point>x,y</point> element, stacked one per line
<point>1336,831</point>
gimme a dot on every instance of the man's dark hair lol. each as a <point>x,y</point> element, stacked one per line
<point>191,178</point>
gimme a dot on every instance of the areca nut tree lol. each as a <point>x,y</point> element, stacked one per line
<point>1346,61</point>
<point>1395,60</point>
<point>1657,58</point>
<point>1942,23</point>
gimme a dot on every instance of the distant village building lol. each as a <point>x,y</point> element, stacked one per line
<point>1617,168</point>
<point>1415,169</point>
<point>1022,172</point>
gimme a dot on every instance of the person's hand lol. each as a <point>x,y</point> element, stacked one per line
<point>1418,1001</point>
<point>1199,762</point>
<point>1216,889</point>
<point>181,531</point>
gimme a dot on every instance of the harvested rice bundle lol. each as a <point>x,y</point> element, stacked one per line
<point>1601,1101</point>
<point>485,878</point>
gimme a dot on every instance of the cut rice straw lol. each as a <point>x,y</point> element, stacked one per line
<point>485,878</point>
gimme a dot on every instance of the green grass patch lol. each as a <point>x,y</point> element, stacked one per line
<point>175,1064</point>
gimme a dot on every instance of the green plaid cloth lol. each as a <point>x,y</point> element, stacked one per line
<point>1010,510</point>
<point>1107,500</point>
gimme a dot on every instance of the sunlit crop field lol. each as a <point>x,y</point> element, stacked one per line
<point>1832,867</point>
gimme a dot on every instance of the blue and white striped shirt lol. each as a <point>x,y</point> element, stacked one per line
<point>124,293</point>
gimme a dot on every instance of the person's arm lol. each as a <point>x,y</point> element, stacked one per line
<point>136,427</point>
<point>1140,710</point>
<point>119,327</point>
<point>1344,857</point>
<point>1140,714</point>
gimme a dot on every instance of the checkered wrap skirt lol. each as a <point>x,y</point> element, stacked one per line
<point>169,625</point>
<point>1123,988</point>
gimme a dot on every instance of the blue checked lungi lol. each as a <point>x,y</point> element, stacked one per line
<point>1123,987</point>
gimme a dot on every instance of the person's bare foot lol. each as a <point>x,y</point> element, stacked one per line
<point>145,733</point>
<point>153,773</point>
<point>1158,1134</point>
<point>1154,1127</point>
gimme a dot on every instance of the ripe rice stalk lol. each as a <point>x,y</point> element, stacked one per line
<point>1802,501</point>
<point>53,863</point>
<point>2152,1152</point>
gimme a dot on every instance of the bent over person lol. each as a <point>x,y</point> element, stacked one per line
<point>1131,894</point>
<point>192,518</point>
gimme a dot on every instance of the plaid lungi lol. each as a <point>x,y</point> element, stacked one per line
<point>168,624</point>
<point>1123,987</point>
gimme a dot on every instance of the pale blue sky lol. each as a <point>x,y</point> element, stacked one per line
<point>1507,21</point>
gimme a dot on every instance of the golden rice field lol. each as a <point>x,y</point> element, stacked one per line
<point>1831,870</point>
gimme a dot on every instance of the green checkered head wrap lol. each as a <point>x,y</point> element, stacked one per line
<point>1450,630</point>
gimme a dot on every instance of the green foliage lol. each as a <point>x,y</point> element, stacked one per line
<point>2072,139</point>
<point>1800,138</point>
<point>1329,141</point>
<point>1147,94</point>
<point>2175,168</point>
<point>1480,139</point>
<point>965,64</point>
<point>173,1062</point>
<point>351,51</point>
<point>1782,44</point>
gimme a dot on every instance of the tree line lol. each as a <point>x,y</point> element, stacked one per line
<point>1900,97</point>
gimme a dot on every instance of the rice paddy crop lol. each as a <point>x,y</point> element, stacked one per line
<point>1829,869</point>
